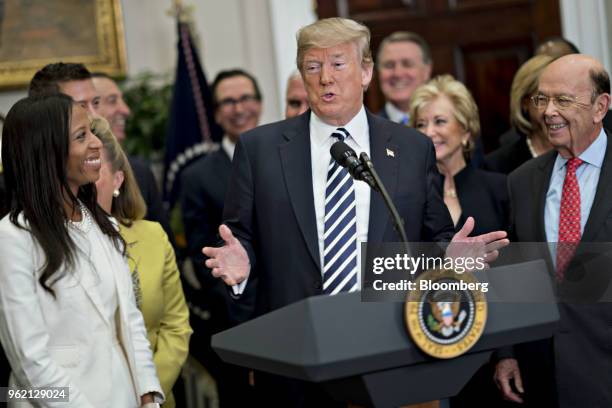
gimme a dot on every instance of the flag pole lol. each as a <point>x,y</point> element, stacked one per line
<point>191,122</point>
<point>178,5</point>
<point>178,11</point>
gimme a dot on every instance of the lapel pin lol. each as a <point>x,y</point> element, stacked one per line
<point>390,153</point>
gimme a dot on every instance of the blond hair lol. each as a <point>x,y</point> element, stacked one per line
<point>524,85</point>
<point>465,110</point>
<point>129,206</point>
<point>331,32</point>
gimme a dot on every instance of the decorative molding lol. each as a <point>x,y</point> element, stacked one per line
<point>97,40</point>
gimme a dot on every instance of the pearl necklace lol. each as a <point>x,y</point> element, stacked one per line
<point>534,154</point>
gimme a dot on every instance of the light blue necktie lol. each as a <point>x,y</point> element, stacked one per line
<point>340,231</point>
<point>404,120</point>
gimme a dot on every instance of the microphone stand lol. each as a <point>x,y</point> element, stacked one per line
<point>398,224</point>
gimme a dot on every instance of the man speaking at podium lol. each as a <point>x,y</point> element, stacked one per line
<point>293,218</point>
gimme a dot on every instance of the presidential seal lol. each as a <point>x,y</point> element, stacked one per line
<point>446,314</point>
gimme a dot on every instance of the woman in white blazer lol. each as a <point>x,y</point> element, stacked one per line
<point>68,317</point>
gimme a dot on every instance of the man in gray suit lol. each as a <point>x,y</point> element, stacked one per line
<point>403,63</point>
<point>564,197</point>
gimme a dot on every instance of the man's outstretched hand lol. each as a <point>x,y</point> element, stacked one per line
<point>229,262</point>
<point>486,244</point>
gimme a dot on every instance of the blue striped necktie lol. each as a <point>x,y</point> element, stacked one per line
<point>340,231</point>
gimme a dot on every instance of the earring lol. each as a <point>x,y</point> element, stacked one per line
<point>116,193</point>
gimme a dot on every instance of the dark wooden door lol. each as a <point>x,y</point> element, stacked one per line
<point>481,42</point>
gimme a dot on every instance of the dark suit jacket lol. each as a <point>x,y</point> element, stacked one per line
<point>150,193</point>
<point>509,156</point>
<point>270,209</point>
<point>203,188</point>
<point>484,196</point>
<point>383,114</point>
<point>270,204</point>
<point>509,136</point>
<point>577,361</point>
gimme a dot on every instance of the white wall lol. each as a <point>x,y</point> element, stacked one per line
<point>585,23</point>
<point>230,34</point>
<point>287,18</point>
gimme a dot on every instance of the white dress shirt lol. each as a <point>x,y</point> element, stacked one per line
<point>588,178</point>
<point>320,142</point>
<point>395,115</point>
<point>228,146</point>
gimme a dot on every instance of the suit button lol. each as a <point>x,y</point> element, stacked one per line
<point>318,285</point>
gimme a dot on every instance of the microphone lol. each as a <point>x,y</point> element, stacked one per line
<point>346,157</point>
<point>363,169</point>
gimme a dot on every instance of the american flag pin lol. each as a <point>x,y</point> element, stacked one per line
<point>390,153</point>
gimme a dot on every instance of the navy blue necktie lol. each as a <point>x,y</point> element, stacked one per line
<point>340,231</point>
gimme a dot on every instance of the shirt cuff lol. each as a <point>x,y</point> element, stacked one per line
<point>238,289</point>
<point>158,397</point>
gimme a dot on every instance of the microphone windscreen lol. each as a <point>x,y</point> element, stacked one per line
<point>340,151</point>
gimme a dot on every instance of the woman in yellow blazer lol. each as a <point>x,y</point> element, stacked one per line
<point>157,285</point>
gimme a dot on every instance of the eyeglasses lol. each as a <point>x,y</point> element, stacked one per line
<point>562,102</point>
<point>296,103</point>
<point>230,103</point>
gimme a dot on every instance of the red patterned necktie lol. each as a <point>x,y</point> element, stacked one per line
<point>569,218</point>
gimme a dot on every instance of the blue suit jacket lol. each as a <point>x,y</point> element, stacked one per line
<point>270,204</point>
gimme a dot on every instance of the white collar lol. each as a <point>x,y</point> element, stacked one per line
<point>394,113</point>
<point>593,155</point>
<point>228,146</point>
<point>357,127</point>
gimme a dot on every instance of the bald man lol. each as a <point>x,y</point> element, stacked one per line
<point>296,101</point>
<point>562,197</point>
